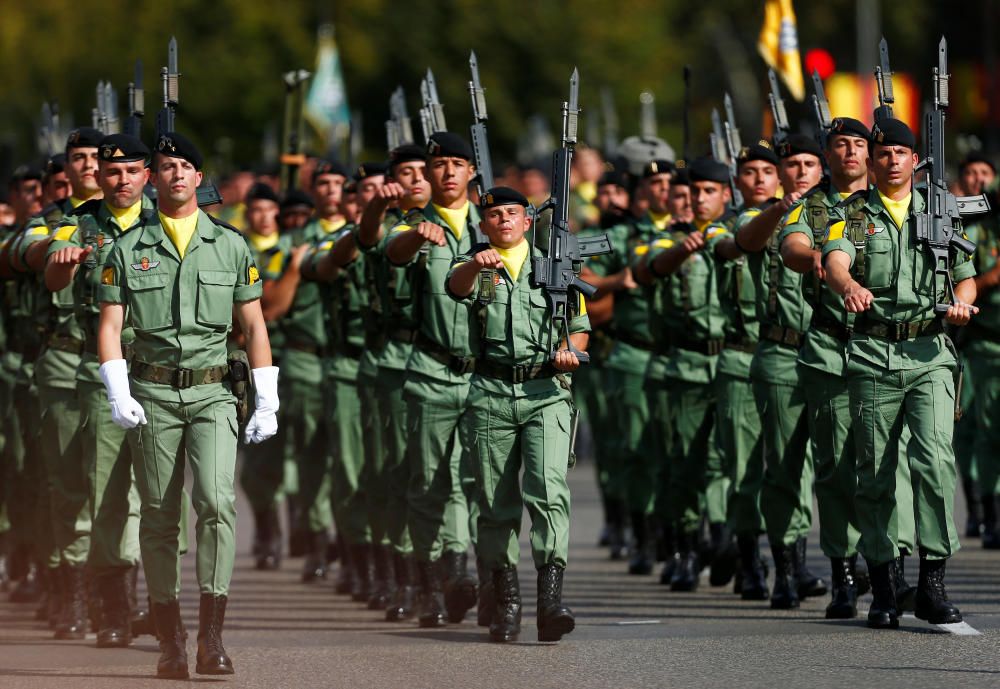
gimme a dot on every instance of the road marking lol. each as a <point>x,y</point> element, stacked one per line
<point>624,623</point>
<point>960,629</point>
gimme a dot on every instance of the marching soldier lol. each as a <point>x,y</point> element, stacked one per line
<point>181,276</point>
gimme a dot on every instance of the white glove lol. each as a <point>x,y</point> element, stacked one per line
<point>125,411</point>
<point>264,422</point>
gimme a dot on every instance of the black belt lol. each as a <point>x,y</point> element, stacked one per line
<point>898,331</point>
<point>307,347</point>
<point>180,378</point>
<point>65,343</point>
<point>741,344</point>
<point>515,374</point>
<point>350,350</point>
<point>458,364</point>
<point>629,339</point>
<point>375,340</point>
<point>789,337</point>
<point>830,326</point>
<point>407,335</point>
<point>706,347</point>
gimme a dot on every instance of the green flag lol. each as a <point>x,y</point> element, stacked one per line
<point>326,105</point>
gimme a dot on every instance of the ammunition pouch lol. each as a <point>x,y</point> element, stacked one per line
<point>239,380</point>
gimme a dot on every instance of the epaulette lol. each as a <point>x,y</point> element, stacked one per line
<point>412,215</point>
<point>480,246</point>
<point>861,194</point>
<point>223,223</point>
<point>813,191</point>
<point>87,208</point>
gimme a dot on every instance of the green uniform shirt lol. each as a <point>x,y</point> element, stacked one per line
<point>393,290</point>
<point>899,272</point>
<point>271,262</point>
<point>514,328</point>
<point>182,310</point>
<point>738,296</point>
<point>984,329</point>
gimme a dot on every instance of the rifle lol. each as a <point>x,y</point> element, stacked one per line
<point>821,108</point>
<point>425,116</point>
<point>293,129</point>
<point>435,111</point>
<point>136,104</point>
<point>558,271</point>
<point>883,80</point>
<point>717,138</point>
<point>48,130</point>
<point>781,127</point>
<point>480,143</point>
<point>939,227</point>
<point>733,145</point>
<point>647,115</point>
<point>397,127</point>
<point>610,118</point>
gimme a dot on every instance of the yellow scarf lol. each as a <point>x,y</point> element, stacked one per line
<point>587,191</point>
<point>660,220</point>
<point>455,218</point>
<point>180,230</point>
<point>513,258</point>
<point>331,225</point>
<point>260,242</point>
<point>76,203</point>
<point>701,225</point>
<point>126,217</point>
<point>897,209</point>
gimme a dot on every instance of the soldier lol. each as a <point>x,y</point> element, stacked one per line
<point>181,276</point>
<point>82,241</point>
<point>55,184</point>
<point>295,210</point>
<point>899,370</point>
<point>437,383</point>
<point>520,406</point>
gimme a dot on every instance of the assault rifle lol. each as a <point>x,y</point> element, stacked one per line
<point>136,104</point>
<point>821,109</point>
<point>397,127</point>
<point>48,129</point>
<point>781,126</point>
<point>480,143</point>
<point>883,81</point>
<point>733,146</point>
<point>293,127</point>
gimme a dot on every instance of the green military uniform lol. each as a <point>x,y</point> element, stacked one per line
<point>181,310</point>
<point>899,371</point>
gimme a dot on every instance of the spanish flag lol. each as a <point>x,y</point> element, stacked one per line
<point>778,44</point>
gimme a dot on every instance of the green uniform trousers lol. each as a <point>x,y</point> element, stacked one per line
<point>616,484</point>
<point>591,397</point>
<point>306,445</point>
<point>740,444</point>
<point>510,434</point>
<point>691,413</point>
<point>984,367</point>
<point>11,447</point>
<point>262,477</point>
<point>202,434</point>
<point>629,405</point>
<point>350,505</point>
<point>114,499</point>
<point>442,482</point>
<point>28,493</point>
<point>660,439</point>
<point>374,478</point>
<point>396,476</point>
<point>883,402</point>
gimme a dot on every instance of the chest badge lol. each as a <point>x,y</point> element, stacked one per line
<point>873,230</point>
<point>145,264</point>
<point>496,278</point>
<point>101,240</point>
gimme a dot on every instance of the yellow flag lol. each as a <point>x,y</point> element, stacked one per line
<point>778,44</point>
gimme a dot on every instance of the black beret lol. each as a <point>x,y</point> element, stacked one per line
<point>22,173</point>
<point>848,126</point>
<point>762,150</point>
<point>407,153</point>
<point>84,137</point>
<point>657,167</point>
<point>502,196</point>
<point>260,192</point>
<point>613,176</point>
<point>296,197</point>
<point>330,167</point>
<point>121,148</point>
<point>448,145</point>
<point>708,170</point>
<point>176,145</point>
<point>975,157</point>
<point>799,143</point>
<point>682,176</point>
<point>55,164</point>
<point>372,169</point>
<point>893,132</point>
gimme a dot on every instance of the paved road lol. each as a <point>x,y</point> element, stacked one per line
<point>630,633</point>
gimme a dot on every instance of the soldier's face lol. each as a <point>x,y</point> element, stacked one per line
<point>976,177</point>
<point>122,183</point>
<point>349,206</point>
<point>611,196</point>
<point>505,225</point>
<point>657,192</point>
<point>328,192</point>
<point>680,203</point>
<point>709,200</point>
<point>81,168</point>
<point>262,217</point>
<point>26,199</point>
<point>7,215</point>
<point>412,176</point>
<point>294,217</point>
<point>450,177</point>
<point>800,172</point>
<point>893,166</point>
<point>176,180</point>
<point>367,188</point>
<point>847,157</point>
<point>57,187</point>
<point>587,163</point>
<point>757,181</point>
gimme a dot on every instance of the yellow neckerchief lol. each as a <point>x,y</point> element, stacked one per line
<point>897,209</point>
<point>125,217</point>
<point>660,220</point>
<point>260,242</point>
<point>76,203</point>
<point>587,191</point>
<point>514,257</point>
<point>455,218</point>
<point>180,230</point>
<point>843,194</point>
<point>700,225</point>
<point>331,225</point>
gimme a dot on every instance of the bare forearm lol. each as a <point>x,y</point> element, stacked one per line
<point>726,249</point>
<point>370,227</point>
<point>59,276</point>
<point>798,256</point>
<point>670,260</point>
<point>754,235</point>
<point>966,292</point>
<point>344,250</point>
<point>580,341</point>
<point>258,345</point>
<point>279,297</point>
<point>109,333</point>
<point>838,272</point>
<point>326,268</point>
<point>403,248</point>
<point>463,279</point>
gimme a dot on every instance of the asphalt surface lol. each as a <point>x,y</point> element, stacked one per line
<point>631,632</point>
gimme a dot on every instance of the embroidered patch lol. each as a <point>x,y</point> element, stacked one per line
<point>872,229</point>
<point>108,276</point>
<point>496,278</point>
<point>252,275</point>
<point>145,264</point>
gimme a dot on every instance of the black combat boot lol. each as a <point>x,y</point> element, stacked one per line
<point>402,605</point>
<point>116,627</point>
<point>267,540</point>
<point>363,563</point>
<point>844,598</point>
<point>666,549</point>
<point>555,620</point>
<point>686,574</point>
<point>29,588</point>
<point>460,592</point>
<point>883,613</point>
<point>616,543</point>
<point>906,595</point>
<point>809,585</point>
<point>385,578</point>
<point>173,662</point>
<point>785,594</point>
<point>315,565</point>
<point>345,584</point>
<point>974,517</point>
<point>752,574</point>
<point>74,622</point>
<point>505,624</point>
<point>640,560</point>
<point>50,603</point>
<point>990,532</point>
<point>4,562</point>
<point>298,537</point>
<point>430,605</point>
<point>212,658</point>
<point>860,572</point>
<point>141,620</point>
<point>487,599</point>
<point>724,557</point>
<point>932,602</point>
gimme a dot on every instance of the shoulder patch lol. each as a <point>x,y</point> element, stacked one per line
<point>714,231</point>
<point>65,232</point>
<point>275,263</point>
<point>253,275</point>
<point>325,246</point>
<point>663,243</point>
<point>108,276</point>
<point>835,230</point>
<point>41,230</point>
<point>750,213</point>
<point>793,215</point>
